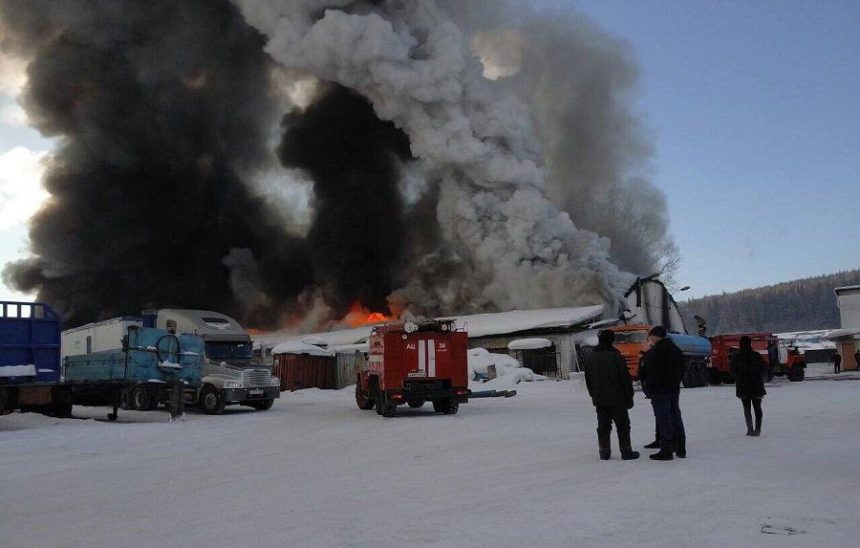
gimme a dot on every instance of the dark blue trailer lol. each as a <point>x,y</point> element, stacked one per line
<point>30,369</point>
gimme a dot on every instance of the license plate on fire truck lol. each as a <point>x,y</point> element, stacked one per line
<point>255,392</point>
<point>417,374</point>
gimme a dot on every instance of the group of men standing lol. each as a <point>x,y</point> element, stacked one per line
<point>611,390</point>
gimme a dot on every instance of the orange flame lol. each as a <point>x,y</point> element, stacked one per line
<point>359,315</point>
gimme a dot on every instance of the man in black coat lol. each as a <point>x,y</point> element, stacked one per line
<point>857,360</point>
<point>837,363</point>
<point>611,392</point>
<point>664,368</point>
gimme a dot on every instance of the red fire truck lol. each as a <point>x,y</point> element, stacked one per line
<point>412,363</point>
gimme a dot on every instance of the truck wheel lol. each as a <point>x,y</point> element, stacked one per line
<point>362,398</point>
<point>414,404</point>
<point>263,405</point>
<point>715,377</point>
<point>797,374</point>
<point>388,408</point>
<point>704,376</point>
<point>686,381</point>
<point>377,400</point>
<point>142,400</point>
<point>211,401</point>
<point>125,402</point>
<point>447,406</point>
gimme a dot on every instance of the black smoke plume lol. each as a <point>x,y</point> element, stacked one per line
<point>155,107</point>
<point>356,241</point>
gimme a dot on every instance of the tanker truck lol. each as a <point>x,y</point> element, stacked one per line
<point>632,341</point>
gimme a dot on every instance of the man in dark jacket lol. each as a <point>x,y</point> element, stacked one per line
<point>837,363</point>
<point>611,392</point>
<point>664,368</point>
<point>857,360</point>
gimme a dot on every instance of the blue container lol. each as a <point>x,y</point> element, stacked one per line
<point>29,336</point>
<point>692,345</point>
<point>152,356</point>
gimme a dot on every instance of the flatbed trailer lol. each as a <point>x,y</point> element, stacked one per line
<point>34,378</point>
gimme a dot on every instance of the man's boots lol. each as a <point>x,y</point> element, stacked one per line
<point>681,448</point>
<point>665,451</point>
<point>757,431</point>
<point>656,443</point>
<point>627,453</point>
<point>603,445</point>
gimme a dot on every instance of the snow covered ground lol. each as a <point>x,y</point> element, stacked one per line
<point>523,471</point>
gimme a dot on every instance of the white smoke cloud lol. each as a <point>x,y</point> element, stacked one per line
<point>512,247</point>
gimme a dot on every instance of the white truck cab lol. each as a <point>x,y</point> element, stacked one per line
<point>229,375</point>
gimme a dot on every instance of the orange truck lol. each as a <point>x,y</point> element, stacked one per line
<point>632,341</point>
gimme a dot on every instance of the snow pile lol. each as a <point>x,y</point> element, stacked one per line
<point>297,347</point>
<point>509,372</point>
<point>18,370</point>
<point>167,364</point>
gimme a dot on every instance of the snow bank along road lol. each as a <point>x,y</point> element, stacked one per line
<point>316,471</point>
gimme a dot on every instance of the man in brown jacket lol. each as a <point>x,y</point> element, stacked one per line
<point>611,392</point>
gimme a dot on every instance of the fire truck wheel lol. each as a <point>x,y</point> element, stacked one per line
<point>797,374</point>
<point>378,403</point>
<point>211,402</point>
<point>447,406</point>
<point>415,404</point>
<point>388,408</point>
<point>362,398</point>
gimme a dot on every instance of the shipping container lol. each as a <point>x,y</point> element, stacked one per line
<point>298,371</point>
<point>97,337</point>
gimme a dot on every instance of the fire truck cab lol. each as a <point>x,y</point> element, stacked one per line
<point>413,363</point>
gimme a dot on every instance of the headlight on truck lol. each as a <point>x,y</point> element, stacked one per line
<point>276,381</point>
<point>232,384</point>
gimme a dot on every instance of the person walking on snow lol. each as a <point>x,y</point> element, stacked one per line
<point>664,368</point>
<point>749,369</point>
<point>611,392</point>
<point>837,363</point>
<point>857,360</point>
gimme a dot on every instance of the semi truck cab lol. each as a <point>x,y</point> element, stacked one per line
<point>229,375</point>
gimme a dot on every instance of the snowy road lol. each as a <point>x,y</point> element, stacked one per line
<point>316,471</point>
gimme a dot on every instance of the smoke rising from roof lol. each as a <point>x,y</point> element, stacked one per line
<point>433,187</point>
<point>506,244</point>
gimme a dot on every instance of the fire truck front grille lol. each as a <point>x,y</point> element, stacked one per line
<point>257,377</point>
